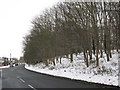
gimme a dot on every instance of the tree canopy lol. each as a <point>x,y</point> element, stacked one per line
<point>73,27</point>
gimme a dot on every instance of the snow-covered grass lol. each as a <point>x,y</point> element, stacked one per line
<point>5,66</point>
<point>107,73</point>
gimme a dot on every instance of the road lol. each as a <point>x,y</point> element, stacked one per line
<point>19,77</point>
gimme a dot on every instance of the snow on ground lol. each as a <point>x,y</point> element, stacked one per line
<point>5,66</point>
<point>106,73</point>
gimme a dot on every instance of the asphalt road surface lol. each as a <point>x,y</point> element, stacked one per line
<point>19,77</point>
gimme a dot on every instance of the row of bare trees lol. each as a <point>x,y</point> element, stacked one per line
<point>71,28</point>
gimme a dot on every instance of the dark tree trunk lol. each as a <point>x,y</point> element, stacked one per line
<point>86,58</point>
<point>93,47</point>
<point>110,54</point>
<point>97,59</point>
<point>90,54</point>
<point>101,53</point>
<point>71,58</point>
<point>108,59</point>
<point>105,44</point>
<point>60,61</point>
<point>53,62</point>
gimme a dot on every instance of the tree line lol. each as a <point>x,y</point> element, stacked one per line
<point>71,28</point>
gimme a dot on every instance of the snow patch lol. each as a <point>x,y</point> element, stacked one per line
<point>107,73</point>
<point>5,66</point>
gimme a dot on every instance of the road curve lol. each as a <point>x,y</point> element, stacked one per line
<point>19,77</point>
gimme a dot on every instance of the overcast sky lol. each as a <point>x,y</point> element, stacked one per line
<point>15,21</point>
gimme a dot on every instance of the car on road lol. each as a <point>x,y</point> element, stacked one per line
<point>16,64</point>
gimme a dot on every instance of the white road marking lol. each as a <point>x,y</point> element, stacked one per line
<point>32,87</point>
<point>20,79</point>
<point>24,82</point>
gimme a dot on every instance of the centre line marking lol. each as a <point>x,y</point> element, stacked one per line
<point>32,87</point>
<point>21,79</point>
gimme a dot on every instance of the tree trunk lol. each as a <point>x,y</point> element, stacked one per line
<point>86,58</point>
<point>57,59</point>
<point>105,43</point>
<point>110,54</point>
<point>97,52</point>
<point>71,58</point>
<point>60,61</point>
<point>108,59</point>
<point>101,53</point>
<point>53,62</point>
<point>97,59</point>
<point>93,47</point>
<point>90,54</point>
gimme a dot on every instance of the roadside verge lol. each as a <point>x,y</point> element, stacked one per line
<point>99,85</point>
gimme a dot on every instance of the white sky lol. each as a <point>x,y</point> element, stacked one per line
<point>15,21</point>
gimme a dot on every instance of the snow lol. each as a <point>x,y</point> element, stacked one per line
<point>5,66</point>
<point>106,73</point>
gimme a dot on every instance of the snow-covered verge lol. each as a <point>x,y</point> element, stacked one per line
<point>5,66</point>
<point>107,73</point>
